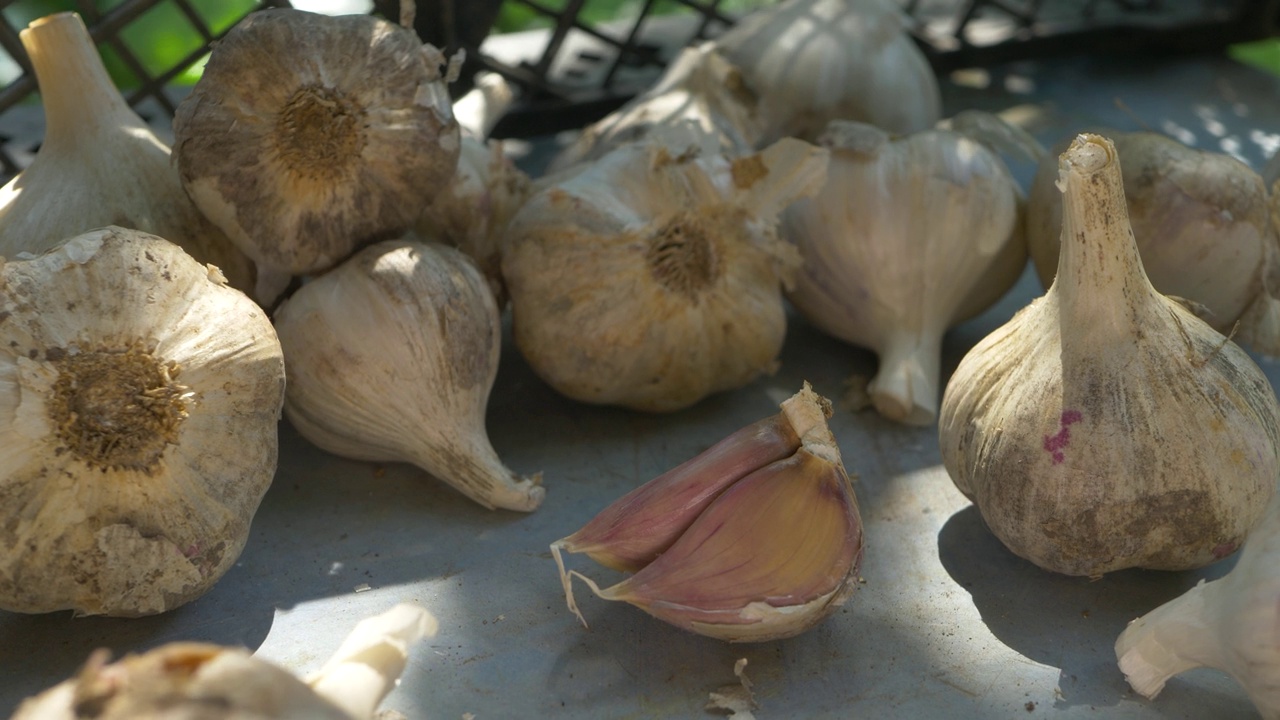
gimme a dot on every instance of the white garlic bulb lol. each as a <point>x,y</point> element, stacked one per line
<point>99,163</point>
<point>391,357</point>
<point>813,61</point>
<point>309,136</point>
<point>649,280</point>
<point>1105,426</point>
<point>139,397</point>
<point>908,237</point>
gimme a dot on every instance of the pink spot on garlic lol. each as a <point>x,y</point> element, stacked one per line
<point>1054,444</point>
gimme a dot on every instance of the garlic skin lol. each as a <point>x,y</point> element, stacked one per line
<point>1230,624</point>
<point>138,436</point>
<point>309,136</point>
<point>813,61</point>
<point>99,162</point>
<point>1105,426</point>
<point>391,357</point>
<point>651,281</point>
<point>211,682</point>
<point>1200,220</point>
<point>908,237</point>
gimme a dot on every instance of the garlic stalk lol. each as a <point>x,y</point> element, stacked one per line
<point>813,61</point>
<point>309,136</point>
<point>650,280</point>
<point>391,357</point>
<point>1229,624</point>
<point>211,682</point>
<point>908,237</point>
<point>1105,426</point>
<point>756,539</point>
<point>99,163</point>
<point>139,399</point>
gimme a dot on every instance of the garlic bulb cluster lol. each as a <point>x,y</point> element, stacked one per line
<point>309,136</point>
<point>757,538</point>
<point>813,61</point>
<point>391,357</point>
<point>1200,219</point>
<point>139,398</point>
<point>99,163</point>
<point>649,280</point>
<point>908,237</point>
<point>1230,624</point>
<point>211,682</point>
<point>1105,426</point>
<point>701,101</point>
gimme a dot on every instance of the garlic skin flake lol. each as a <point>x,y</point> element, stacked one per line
<point>649,280</point>
<point>99,163</point>
<point>391,357</point>
<point>1105,426</point>
<point>908,237</point>
<point>139,401</point>
<point>309,136</point>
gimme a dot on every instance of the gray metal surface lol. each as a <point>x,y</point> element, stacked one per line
<point>947,624</point>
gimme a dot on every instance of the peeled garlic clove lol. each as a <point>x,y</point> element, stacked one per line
<point>139,399</point>
<point>1106,427</point>
<point>99,163</point>
<point>908,237</point>
<point>813,61</point>
<point>649,280</point>
<point>391,357</point>
<point>309,136</point>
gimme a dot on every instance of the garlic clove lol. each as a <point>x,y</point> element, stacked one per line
<point>391,357</point>
<point>309,136</point>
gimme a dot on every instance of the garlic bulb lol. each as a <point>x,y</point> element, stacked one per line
<point>813,61</point>
<point>1200,220</point>
<point>1106,427</point>
<point>701,101</point>
<point>908,237</point>
<point>211,682</point>
<point>309,136</point>
<point>1230,624</point>
<point>139,397</point>
<point>649,280</point>
<point>391,357</point>
<point>757,538</point>
<point>99,163</point>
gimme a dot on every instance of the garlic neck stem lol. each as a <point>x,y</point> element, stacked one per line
<point>475,470</point>
<point>1175,637</point>
<point>906,387</point>
<point>78,95</point>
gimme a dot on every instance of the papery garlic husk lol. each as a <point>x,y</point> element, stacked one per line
<point>309,136</point>
<point>813,61</point>
<point>473,212</point>
<point>139,400</point>
<point>650,280</point>
<point>752,553</point>
<point>391,357</point>
<point>213,682</point>
<point>1200,220</point>
<point>1230,624</point>
<point>1105,426</point>
<point>99,163</point>
<point>908,237</point>
<point>701,101</point>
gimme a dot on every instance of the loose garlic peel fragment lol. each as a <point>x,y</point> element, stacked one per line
<point>391,357</point>
<point>139,400</point>
<point>650,280</point>
<point>1106,427</point>
<point>908,237</point>
<point>765,552</point>
<point>309,136</point>
<point>99,163</point>
<point>211,682</point>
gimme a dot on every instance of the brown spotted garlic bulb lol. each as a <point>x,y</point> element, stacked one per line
<point>309,136</point>
<point>139,399</point>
